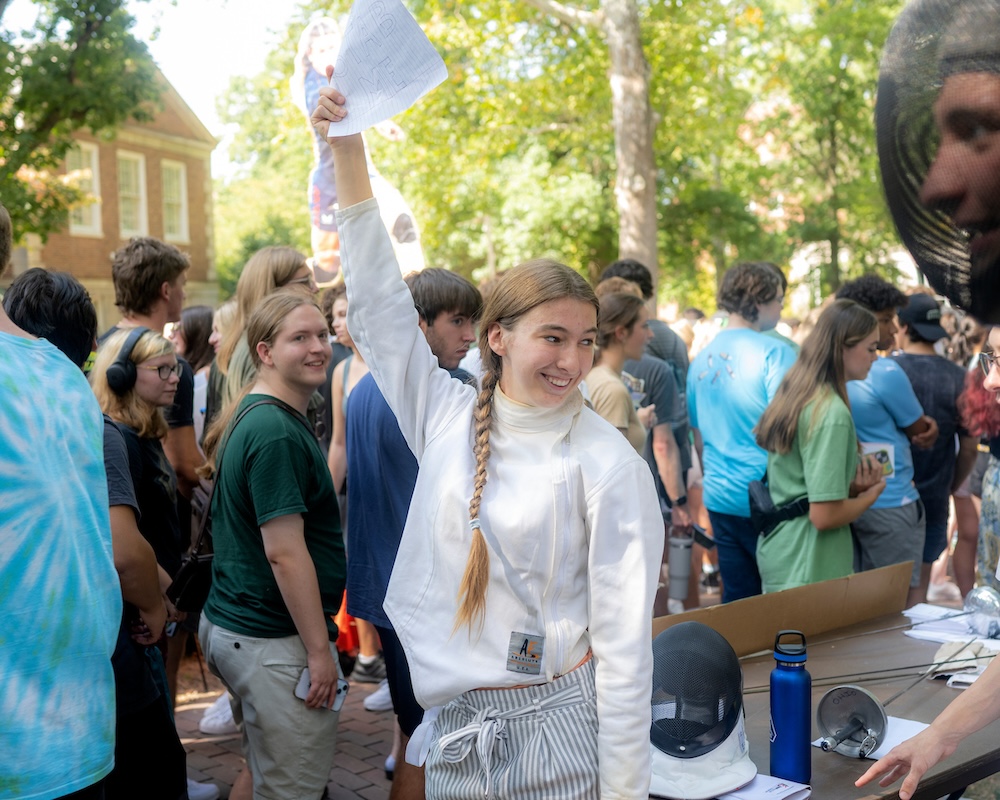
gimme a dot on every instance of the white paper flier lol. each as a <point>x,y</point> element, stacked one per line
<point>765,787</point>
<point>385,64</point>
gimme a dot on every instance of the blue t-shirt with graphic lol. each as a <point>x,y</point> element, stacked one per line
<point>60,597</point>
<point>883,404</point>
<point>729,385</point>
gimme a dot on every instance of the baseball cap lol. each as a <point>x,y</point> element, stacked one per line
<point>923,313</point>
<point>698,743</point>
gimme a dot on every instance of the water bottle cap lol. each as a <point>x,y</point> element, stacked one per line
<point>791,651</point>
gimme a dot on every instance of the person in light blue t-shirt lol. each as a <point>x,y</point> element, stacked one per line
<point>888,418</point>
<point>61,601</point>
<point>729,385</point>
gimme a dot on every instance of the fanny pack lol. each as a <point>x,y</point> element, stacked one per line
<point>765,516</point>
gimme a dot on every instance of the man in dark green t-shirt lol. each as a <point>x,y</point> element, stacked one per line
<point>278,575</point>
<point>272,468</point>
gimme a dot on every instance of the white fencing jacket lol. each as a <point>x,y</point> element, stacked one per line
<point>569,513</point>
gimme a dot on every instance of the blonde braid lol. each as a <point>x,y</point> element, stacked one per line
<point>472,591</point>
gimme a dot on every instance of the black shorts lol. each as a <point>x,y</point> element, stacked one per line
<point>397,671</point>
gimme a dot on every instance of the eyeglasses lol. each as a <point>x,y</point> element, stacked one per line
<point>987,361</point>
<point>164,370</point>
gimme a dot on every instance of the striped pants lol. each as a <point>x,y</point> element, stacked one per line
<point>518,744</point>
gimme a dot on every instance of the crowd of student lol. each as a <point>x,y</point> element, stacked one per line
<point>311,434</point>
<point>508,504</point>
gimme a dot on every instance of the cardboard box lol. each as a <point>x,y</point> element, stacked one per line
<point>749,625</point>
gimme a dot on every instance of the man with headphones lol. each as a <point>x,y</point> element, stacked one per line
<point>149,277</point>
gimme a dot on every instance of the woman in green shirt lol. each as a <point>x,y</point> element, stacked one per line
<point>813,452</point>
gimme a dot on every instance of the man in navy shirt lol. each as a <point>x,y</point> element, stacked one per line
<point>381,474</point>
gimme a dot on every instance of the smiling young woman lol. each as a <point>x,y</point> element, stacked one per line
<point>534,536</point>
<point>623,335</point>
<point>136,404</point>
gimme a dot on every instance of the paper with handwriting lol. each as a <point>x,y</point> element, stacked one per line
<point>385,64</point>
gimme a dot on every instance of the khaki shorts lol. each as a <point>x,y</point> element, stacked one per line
<point>288,747</point>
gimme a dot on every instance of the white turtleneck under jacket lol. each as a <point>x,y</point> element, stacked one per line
<point>569,514</point>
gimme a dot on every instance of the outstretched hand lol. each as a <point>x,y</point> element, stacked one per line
<point>911,758</point>
<point>330,109</point>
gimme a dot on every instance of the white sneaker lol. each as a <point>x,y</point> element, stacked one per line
<point>218,718</point>
<point>202,791</point>
<point>380,699</point>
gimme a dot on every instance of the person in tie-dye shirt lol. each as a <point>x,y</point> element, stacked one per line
<point>60,599</point>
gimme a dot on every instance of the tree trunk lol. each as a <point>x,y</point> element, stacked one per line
<point>632,120</point>
<point>832,279</point>
<point>635,183</point>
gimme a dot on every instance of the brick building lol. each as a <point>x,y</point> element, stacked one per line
<point>152,179</point>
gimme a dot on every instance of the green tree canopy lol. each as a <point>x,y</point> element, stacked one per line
<point>78,68</point>
<point>761,113</point>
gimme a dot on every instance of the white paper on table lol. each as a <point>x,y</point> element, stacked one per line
<point>942,636</point>
<point>924,611</point>
<point>938,624</point>
<point>384,66</point>
<point>764,787</point>
<point>898,730</point>
<point>938,618</point>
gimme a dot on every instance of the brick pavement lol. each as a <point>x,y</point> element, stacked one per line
<point>364,739</point>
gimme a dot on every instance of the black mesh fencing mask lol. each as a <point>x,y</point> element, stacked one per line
<point>698,743</point>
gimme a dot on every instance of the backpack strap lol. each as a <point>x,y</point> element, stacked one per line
<point>205,490</point>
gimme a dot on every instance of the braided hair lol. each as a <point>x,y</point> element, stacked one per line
<point>517,292</point>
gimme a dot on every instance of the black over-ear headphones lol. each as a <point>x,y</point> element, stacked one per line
<point>122,373</point>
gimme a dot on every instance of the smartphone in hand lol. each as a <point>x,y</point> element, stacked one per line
<point>302,690</point>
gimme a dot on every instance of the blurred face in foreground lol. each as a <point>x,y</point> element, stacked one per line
<point>964,179</point>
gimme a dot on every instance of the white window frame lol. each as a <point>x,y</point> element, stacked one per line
<point>143,227</point>
<point>85,218</point>
<point>183,235</point>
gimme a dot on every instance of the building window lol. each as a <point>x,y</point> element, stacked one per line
<point>132,195</point>
<point>175,203</point>
<point>82,164</point>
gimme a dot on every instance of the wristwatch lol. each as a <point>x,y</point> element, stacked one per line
<point>680,501</point>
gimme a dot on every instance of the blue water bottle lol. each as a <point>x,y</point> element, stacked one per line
<point>791,706</point>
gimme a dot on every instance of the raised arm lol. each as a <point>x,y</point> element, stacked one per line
<point>381,316</point>
<point>350,168</point>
